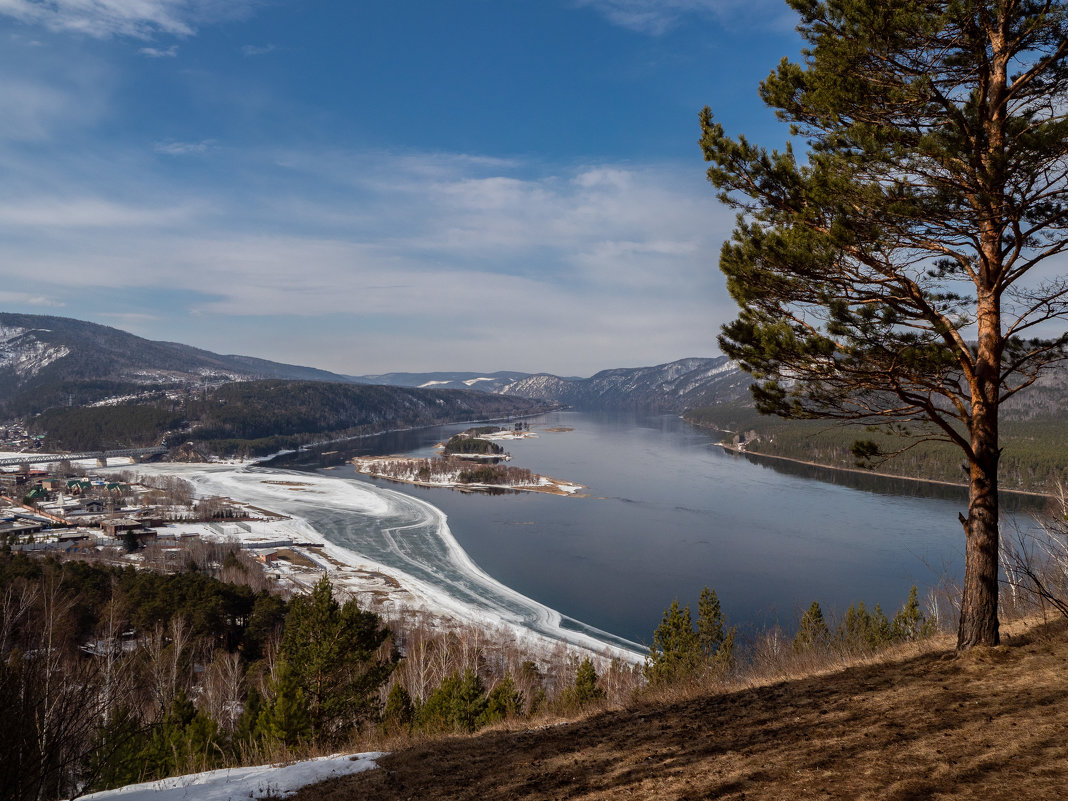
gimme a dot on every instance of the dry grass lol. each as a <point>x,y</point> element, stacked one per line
<point>914,724</point>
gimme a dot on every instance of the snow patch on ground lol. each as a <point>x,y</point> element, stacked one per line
<point>242,784</point>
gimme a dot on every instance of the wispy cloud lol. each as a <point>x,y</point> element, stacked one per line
<point>65,214</point>
<point>44,94</point>
<point>156,52</point>
<point>586,263</point>
<point>137,18</point>
<point>173,148</point>
<point>29,109</point>
<point>28,299</point>
<point>257,50</point>
<point>656,17</point>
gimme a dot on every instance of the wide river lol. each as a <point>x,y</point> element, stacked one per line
<point>668,513</point>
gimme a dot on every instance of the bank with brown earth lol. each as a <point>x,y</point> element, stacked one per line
<point>989,724</point>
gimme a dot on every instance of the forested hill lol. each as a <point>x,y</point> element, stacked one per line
<point>259,417</point>
<point>52,361</point>
<point>1034,445</point>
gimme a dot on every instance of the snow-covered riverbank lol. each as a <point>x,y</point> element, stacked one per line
<point>394,552</point>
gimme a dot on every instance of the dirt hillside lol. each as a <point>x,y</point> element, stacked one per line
<point>992,724</point>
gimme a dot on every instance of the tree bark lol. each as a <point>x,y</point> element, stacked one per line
<point>979,601</point>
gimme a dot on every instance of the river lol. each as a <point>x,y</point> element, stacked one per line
<point>668,513</point>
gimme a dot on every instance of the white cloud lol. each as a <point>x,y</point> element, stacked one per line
<point>656,17</point>
<point>28,299</point>
<point>571,269</point>
<point>172,148</point>
<point>30,109</point>
<point>137,18</point>
<point>50,91</point>
<point>257,50</point>
<point>88,212</point>
<point>156,52</point>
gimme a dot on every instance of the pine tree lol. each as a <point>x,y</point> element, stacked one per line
<point>897,272</point>
<point>505,701</point>
<point>585,690</point>
<point>680,653</point>
<point>458,704</point>
<point>332,652</point>
<point>246,731</point>
<point>676,650</point>
<point>716,640</point>
<point>285,717</point>
<point>812,633</point>
<point>863,630</point>
<point>710,631</point>
<point>187,741</point>
<point>910,623</point>
<point>399,713</point>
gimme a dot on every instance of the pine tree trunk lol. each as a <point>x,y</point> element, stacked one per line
<point>979,602</point>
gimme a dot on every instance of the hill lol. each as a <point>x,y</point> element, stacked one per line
<point>986,725</point>
<point>670,387</point>
<point>260,417</point>
<point>51,361</point>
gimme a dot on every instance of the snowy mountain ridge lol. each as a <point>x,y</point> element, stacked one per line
<point>671,387</point>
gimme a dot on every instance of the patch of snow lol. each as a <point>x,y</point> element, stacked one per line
<point>8,334</point>
<point>472,381</point>
<point>27,355</point>
<point>115,401</point>
<point>232,784</point>
<point>434,384</point>
<point>506,434</point>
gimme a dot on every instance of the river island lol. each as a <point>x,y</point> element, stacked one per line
<point>470,461</point>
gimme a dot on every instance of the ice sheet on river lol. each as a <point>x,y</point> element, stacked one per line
<point>401,535</point>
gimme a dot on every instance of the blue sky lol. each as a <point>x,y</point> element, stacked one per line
<point>370,187</point>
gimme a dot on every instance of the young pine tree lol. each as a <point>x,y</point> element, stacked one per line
<point>585,691</point>
<point>332,652</point>
<point>679,653</point>
<point>812,633</point>
<point>676,650</point>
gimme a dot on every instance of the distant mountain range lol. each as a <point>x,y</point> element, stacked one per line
<point>671,387</point>
<point>50,361</point>
<point>484,382</point>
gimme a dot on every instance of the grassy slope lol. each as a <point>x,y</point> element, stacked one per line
<point>990,724</point>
